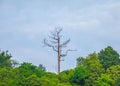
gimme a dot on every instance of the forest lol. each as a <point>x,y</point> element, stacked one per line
<point>97,69</point>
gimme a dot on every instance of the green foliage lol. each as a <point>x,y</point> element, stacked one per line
<point>6,77</point>
<point>32,80</point>
<point>27,69</point>
<point>109,57</point>
<point>117,83</point>
<point>49,81</point>
<point>104,80</point>
<point>94,67</point>
<point>102,69</point>
<point>80,74</point>
<point>65,76</point>
<point>65,84</point>
<point>14,63</point>
<point>93,64</point>
<point>5,59</point>
<point>80,61</point>
<point>41,67</point>
<point>114,72</point>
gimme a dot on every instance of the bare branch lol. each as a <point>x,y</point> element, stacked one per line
<point>49,45</point>
<point>65,43</point>
<point>53,34</point>
<point>54,42</point>
<point>57,31</point>
<point>46,43</point>
<point>56,45</point>
<point>53,37</point>
<point>54,49</point>
<point>65,54</point>
<point>63,46</point>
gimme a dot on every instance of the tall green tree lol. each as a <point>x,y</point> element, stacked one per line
<point>94,67</point>
<point>109,57</point>
<point>5,59</point>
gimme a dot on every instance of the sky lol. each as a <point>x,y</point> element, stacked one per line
<point>91,25</point>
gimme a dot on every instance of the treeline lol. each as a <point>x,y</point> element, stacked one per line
<point>97,69</point>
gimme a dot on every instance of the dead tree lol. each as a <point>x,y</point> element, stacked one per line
<point>57,46</point>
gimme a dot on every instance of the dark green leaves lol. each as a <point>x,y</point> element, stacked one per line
<point>80,74</point>
<point>5,59</point>
<point>109,57</point>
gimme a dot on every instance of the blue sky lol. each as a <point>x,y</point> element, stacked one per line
<point>91,24</point>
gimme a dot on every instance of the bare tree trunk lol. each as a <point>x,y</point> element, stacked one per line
<point>58,64</point>
<point>59,55</point>
<point>57,46</point>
